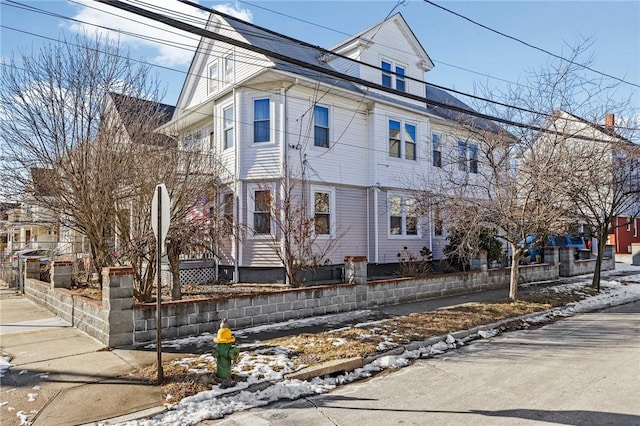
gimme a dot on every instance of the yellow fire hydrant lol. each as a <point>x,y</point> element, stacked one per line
<point>226,352</point>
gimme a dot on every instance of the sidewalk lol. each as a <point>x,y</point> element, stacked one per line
<point>60,376</point>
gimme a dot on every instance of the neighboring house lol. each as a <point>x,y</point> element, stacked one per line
<point>352,151</point>
<point>585,139</point>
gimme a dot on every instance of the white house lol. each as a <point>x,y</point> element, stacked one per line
<point>353,150</point>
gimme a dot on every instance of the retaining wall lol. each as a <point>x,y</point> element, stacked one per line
<point>116,321</point>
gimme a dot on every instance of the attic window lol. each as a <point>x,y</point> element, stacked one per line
<point>393,75</point>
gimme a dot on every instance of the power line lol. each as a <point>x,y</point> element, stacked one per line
<point>337,75</point>
<point>529,44</point>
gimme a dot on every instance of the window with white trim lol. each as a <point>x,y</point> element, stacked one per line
<point>393,75</point>
<point>227,127</point>
<point>261,120</point>
<point>437,150</point>
<point>323,211</point>
<point>261,211</point>
<point>321,126</point>
<point>403,216</point>
<point>212,81</point>
<point>473,158</point>
<point>462,156</point>
<point>635,227</point>
<point>628,224</point>
<point>438,223</point>
<point>402,139</point>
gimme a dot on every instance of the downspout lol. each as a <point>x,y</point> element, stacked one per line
<point>238,191</point>
<point>376,189</point>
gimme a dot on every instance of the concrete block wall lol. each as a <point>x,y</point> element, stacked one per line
<point>61,273</point>
<point>81,312</point>
<point>187,318</point>
<point>570,267</point>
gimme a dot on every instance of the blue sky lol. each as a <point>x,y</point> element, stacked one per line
<point>466,55</point>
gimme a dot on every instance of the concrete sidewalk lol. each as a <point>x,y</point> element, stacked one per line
<point>60,376</point>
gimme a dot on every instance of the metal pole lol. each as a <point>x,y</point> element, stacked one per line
<point>159,289</point>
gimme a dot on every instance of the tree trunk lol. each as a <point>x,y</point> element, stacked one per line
<point>513,278</point>
<point>602,242</point>
<point>173,253</point>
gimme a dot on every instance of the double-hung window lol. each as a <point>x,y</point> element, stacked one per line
<point>400,83</point>
<point>261,120</point>
<point>227,118</point>
<point>437,150</point>
<point>462,156</point>
<point>262,212</point>
<point>403,216</point>
<point>322,212</point>
<point>409,141</point>
<point>386,74</point>
<point>394,139</point>
<point>213,77</point>
<point>473,158</point>
<point>393,73</point>
<point>438,223</point>
<point>321,126</point>
<point>402,140</point>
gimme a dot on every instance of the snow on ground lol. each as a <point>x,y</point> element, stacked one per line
<point>271,365</point>
<point>5,364</point>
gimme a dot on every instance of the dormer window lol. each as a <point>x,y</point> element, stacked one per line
<point>391,80</point>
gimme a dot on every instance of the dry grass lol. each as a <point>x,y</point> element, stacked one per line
<point>185,380</point>
<point>181,381</point>
<point>365,340</point>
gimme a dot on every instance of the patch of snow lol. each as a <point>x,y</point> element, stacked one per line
<point>31,397</point>
<point>23,372</point>
<point>339,341</point>
<point>23,417</point>
<point>485,334</point>
<point>5,364</point>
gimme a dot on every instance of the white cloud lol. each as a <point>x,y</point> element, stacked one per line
<point>168,46</point>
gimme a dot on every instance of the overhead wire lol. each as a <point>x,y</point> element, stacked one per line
<point>529,44</point>
<point>297,41</point>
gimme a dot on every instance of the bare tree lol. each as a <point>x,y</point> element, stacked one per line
<point>55,119</point>
<point>604,182</point>
<point>517,183</point>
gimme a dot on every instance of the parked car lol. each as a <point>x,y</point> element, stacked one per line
<point>558,240</point>
<point>42,254</point>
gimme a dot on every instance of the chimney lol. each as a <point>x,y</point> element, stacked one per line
<point>609,120</point>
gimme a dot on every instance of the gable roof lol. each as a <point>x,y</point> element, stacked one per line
<point>163,113</point>
<point>287,46</point>
<point>399,20</point>
<point>602,129</point>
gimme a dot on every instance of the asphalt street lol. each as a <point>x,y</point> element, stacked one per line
<point>583,370</point>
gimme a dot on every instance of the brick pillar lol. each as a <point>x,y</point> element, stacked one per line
<point>635,254</point>
<point>32,268</point>
<point>61,274</point>
<point>117,302</point>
